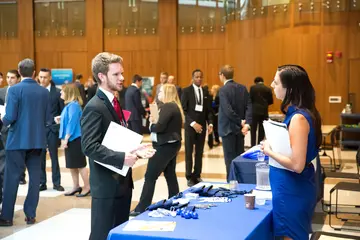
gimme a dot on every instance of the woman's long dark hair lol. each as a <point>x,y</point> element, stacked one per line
<point>301,94</point>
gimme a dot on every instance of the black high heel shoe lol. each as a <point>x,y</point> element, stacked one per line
<point>78,190</point>
<point>83,195</point>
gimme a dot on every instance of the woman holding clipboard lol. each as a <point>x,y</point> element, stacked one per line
<point>166,138</point>
<point>293,188</point>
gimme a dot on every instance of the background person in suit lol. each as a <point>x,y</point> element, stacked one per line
<point>261,97</point>
<point>27,114</point>
<point>81,88</point>
<point>196,106</point>
<point>134,105</point>
<point>235,106</point>
<point>166,138</point>
<point>111,193</point>
<point>163,79</point>
<point>91,88</point>
<point>214,96</point>
<point>12,78</point>
<point>171,80</point>
<point>52,132</point>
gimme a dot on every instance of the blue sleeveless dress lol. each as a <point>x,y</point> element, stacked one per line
<point>294,195</point>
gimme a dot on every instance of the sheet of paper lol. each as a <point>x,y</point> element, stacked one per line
<point>127,115</point>
<point>279,140</point>
<point>120,139</point>
<point>2,110</point>
<point>153,226</point>
<point>154,111</point>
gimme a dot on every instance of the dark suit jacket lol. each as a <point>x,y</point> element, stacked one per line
<point>122,97</point>
<point>188,102</point>
<point>3,95</point>
<point>28,114</point>
<point>81,88</point>
<point>261,97</point>
<point>235,105</point>
<point>91,91</point>
<point>133,103</point>
<point>95,120</point>
<point>56,106</point>
<point>168,127</point>
<point>179,91</point>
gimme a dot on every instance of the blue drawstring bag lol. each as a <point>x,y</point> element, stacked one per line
<point>252,153</point>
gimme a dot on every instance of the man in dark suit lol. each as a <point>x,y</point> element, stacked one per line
<point>27,114</point>
<point>111,193</point>
<point>12,78</point>
<point>172,80</point>
<point>234,115</point>
<point>261,97</point>
<point>196,106</point>
<point>81,88</point>
<point>52,132</point>
<point>92,88</point>
<point>134,105</point>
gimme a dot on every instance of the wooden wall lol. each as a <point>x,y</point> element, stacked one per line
<point>255,47</point>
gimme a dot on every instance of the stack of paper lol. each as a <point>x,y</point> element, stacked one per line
<point>156,226</point>
<point>120,139</point>
<point>279,140</point>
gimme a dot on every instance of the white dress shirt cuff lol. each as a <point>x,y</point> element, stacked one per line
<point>192,124</point>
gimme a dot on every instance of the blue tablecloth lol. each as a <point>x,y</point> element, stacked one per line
<point>226,221</point>
<point>243,170</point>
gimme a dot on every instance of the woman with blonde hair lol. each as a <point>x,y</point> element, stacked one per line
<point>214,93</point>
<point>166,138</point>
<point>70,135</point>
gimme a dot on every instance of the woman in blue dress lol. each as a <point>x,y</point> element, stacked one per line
<point>293,188</point>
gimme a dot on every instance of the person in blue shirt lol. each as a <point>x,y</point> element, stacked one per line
<point>70,135</point>
<point>293,188</point>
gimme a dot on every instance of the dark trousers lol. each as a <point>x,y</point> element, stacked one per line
<point>53,144</point>
<point>257,123</point>
<point>233,146</point>
<point>107,213</point>
<point>135,126</point>
<point>215,133</point>
<point>192,138</point>
<point>2,171</point>
<point>164,160</point>
<point>16,160</point>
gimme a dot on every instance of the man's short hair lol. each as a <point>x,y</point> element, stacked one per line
<point>26,67</point>
<point>258,80</point>
<point>164,73</point>
<point>136,78</point>
<point>14,71</point>
<point>195,71</point>
<point>78,76</point>
<point>44,70</point>
<point>101,62</point>
<point>227,71</point>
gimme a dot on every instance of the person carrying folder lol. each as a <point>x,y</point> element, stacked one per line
<point>293,188</point>
<point>111,193</point>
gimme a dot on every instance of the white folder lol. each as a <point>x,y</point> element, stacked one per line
<point>278,137</point>
<point>120,139</point>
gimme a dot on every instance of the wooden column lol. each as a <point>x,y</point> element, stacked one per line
<point>168,37</point>
<point>94,29</point>
<point>26,29</point>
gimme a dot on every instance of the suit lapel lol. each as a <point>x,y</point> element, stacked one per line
<point>108,104</point>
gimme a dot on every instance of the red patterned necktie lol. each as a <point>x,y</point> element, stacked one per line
<point>117,108</point>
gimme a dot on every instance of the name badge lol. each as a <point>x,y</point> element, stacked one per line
<point>198,108</point>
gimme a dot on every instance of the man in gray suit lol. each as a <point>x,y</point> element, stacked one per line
<point>163,79</point>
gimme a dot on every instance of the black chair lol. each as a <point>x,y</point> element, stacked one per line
<point>350,209</point>
<point>317,235</point>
